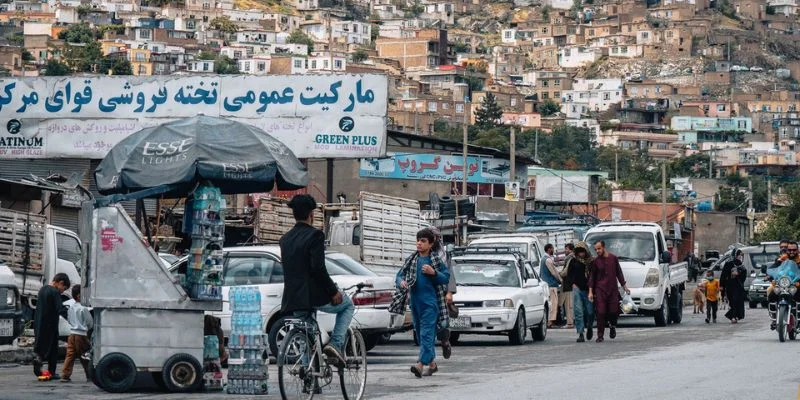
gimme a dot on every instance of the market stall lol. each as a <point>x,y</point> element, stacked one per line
<point>146,319</point>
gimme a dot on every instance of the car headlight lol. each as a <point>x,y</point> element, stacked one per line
<point>784,282</point>
<point>11,298</point>
<point>508,303</point>
<point>652,278</point>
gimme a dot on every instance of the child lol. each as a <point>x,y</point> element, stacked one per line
<point>712,297</point>
<point>80,320</point>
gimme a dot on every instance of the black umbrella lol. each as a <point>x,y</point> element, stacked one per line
<point>170,159</point>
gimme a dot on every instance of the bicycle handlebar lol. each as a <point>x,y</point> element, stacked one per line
<point>360,286</point>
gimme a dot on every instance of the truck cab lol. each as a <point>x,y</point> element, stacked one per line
<point>656,283</point>
<point>525,243</point>
<point>11,324</point>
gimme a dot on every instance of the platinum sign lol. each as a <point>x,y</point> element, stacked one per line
<point>314,115</point>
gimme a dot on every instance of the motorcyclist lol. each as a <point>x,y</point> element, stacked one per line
<point>791,253</point>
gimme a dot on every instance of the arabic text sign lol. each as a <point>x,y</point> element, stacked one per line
<point>93,138</point>
<point>435,167</point>
<point>226,96</point>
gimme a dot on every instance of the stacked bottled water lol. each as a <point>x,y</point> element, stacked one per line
<point>247,367</point>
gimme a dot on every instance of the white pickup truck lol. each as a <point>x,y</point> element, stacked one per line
<point>656,283</point>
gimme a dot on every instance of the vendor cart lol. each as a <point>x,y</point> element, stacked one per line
<point>145,318</point>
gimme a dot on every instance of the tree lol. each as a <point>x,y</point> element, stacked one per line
<point>223,65</point>
<point>117,66</point>
<point>82,57</point>
<point>56,68</point>
<point>548,108</point>
<point>78,33</point>
<point>489,114</point>
<point>360,56</point>
<point>223,24</point>
<point>300,37</point>
<point>26,55</point>
<point>783,223</point>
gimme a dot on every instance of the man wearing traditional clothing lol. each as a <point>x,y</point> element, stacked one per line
<point>48,309</point>
<point>603,290</point>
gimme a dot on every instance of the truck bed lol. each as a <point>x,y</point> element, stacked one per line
<point>274,218</point>
<point>21,232</point>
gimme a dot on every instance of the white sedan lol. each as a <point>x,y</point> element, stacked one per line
<point>261,266</point>
<point>499,294</point>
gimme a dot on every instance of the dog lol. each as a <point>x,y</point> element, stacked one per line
<point>699,300</point>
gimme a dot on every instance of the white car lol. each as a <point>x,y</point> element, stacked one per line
<point>498,293</point>
<point>261,266</point>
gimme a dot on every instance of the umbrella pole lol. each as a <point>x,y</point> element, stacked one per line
<point>158,215</point>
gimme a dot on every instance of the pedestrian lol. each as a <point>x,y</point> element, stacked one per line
<point>48,309</point>
<point>579,270</point>
<point>425,276</point>
<point>732,280</point>
<point>553,279</point>
<point>603,290</point>
<point>565,297</point>
<point>80,321</point>
<point>692,264</point>
<point>712,297</point>
<point>444,331</point>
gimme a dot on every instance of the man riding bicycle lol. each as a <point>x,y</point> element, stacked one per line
<point>307,284</point>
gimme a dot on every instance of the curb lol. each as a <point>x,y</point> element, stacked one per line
<point>15,355</point>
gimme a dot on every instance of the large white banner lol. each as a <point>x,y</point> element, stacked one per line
<point>317,116</point>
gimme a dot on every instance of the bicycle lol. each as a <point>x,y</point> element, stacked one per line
<point>303,370</point>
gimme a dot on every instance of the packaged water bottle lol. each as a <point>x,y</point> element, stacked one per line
<point>251,299</point>
<point>257,304</point>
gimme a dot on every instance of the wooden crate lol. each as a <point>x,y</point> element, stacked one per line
<point>274,218</point>
<point>17,229</point>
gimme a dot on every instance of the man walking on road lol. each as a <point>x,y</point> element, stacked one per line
<point>579,269</point>
<point>48,309</point>
<point>565,297</point>
<point>553,279</point>
<point>603,290</point>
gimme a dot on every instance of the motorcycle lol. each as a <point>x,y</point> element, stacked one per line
<point>783,312</point>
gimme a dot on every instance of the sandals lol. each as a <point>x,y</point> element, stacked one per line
<point>447,349</point>
<point>417,371</point>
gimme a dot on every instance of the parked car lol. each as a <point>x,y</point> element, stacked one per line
<point>498,294</point>
<point>758,291</point>
<point>261,266</point>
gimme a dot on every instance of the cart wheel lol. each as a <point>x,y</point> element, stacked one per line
<point>115,373</point>
<point>182,373</point>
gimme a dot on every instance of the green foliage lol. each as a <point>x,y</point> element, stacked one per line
<point>489,113</point>
<point>415,10</point>
<point>727,9</point>
<point>770,10</point>
<point>785,223</point>
<point>546,13</point>
<point>26,55</point>
<point>461,47</point>
<point>373,34</point>
<point>223,24</point>
<point>79,33</point>
<point>117,65</point>
<point>360,56</point>
<point>548,108</point>
<point>16,39</point>
<point>82,58</point>
<point>225,66</point>
<point>300,37</point>
<point>117,29</point>
<point>206,55</point>
<point>731,199</point>
<point>56,68</point>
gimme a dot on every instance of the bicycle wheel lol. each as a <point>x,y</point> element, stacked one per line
<point>353,375</point>
<point>295,375</point>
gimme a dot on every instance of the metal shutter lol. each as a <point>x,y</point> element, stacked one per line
<point>15,169</point>
<point>64,217</point>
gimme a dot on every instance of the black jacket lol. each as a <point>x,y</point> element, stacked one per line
<point>307,284</point>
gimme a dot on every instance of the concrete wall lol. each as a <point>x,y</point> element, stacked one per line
<point>715,231</point>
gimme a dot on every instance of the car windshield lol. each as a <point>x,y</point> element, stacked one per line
<point>472,273</point>
<point>759,259</point>
<point>520,247</point>
<point>634,245</point>
<point>348,264</point>
<point>334,268</point>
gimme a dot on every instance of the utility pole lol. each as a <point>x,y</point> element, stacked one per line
<point>464,145</point>
<point>664,196</point>
<point>512,205</point>
<point>616,166</point>
<point>536,145</point>
<point>711,164</point>
<point>750,215</point>
<point>769,195</point>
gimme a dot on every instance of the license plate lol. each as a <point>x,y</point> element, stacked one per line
<point>461,322</point>
<point>6,327</point>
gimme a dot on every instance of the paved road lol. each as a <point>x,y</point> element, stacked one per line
<point>692,360</point>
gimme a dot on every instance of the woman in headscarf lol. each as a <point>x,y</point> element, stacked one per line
<point>578,273</point>
<point>732,279</point>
